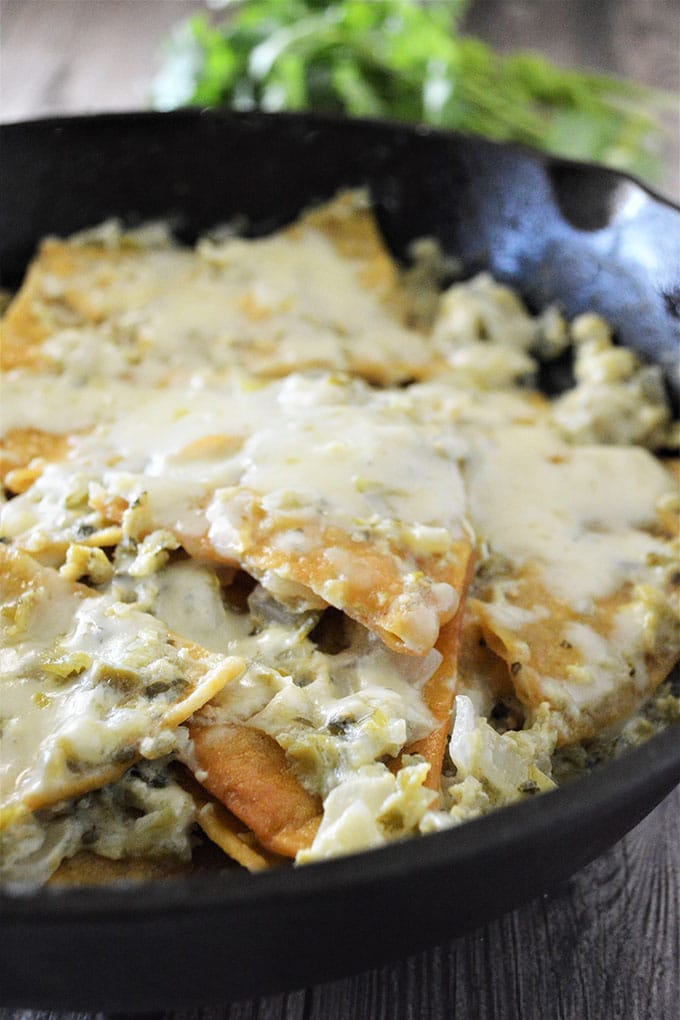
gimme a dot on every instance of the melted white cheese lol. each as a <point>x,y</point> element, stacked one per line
<point>87,682</point>
<point>269,306</point>
<point>580,514</point>
<point>318,451</point>
<point>331,713</point>
<point>145,375</point>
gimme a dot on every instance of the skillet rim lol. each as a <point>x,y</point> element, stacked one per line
<point>653,768</point>
<point>540,156</point>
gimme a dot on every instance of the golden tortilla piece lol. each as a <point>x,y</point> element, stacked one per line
<point>226,831</point>
<point>248,772</point>
<point>352,227</point>
<point>72,284</point>
<point>370,586</point>
<point>440,690</point>
<point>244,304</point>
<point>577,662</point>
<point>86,868</point>
<point>579,593</point>
<point>23,453</point>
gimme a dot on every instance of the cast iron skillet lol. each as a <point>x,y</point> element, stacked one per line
<point>585,236</point>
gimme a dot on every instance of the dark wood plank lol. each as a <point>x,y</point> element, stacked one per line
<point>605,945</point>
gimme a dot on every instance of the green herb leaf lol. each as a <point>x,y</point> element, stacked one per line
<point>408,61</point>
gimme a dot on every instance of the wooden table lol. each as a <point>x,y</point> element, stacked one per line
<point>606,944</point>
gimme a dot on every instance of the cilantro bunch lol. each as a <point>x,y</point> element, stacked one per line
<point>406,60</point>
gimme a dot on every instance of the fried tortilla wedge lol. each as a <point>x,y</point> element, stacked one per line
<point>440,690</point>
<point>315,486</point>
<point>260,305</point>
<point>594,670</point>
<point>226,831</point>
<point>23,453</point>
<point>79,283</point>
<point>579,595</point>
<point>88,685</point>
<point>402,598</point>
<point>42,413</point>
<point>248,772</point>
<point>86,868</point>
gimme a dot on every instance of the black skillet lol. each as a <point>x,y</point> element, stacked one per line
<point>585,236</point>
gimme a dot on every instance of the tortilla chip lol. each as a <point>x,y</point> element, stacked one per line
<point>254,317</point>
<point>86,868</point>
<point>20,447</point>
<point>226,831</point>
<point>248,772</point>
<point>579,593</point>
<point>440,691</point>
<point>370,584</point>
<point>588,692</point>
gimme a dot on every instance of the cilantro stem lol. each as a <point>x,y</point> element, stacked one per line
<point>408,61</point>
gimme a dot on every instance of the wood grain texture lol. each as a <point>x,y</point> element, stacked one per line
<point>81,56</point>
<point>606,944</point>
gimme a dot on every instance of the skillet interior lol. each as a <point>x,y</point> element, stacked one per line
<point>555,230</point>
